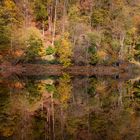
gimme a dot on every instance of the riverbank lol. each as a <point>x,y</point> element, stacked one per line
<point>124,70</point>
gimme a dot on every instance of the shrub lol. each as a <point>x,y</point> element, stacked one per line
<point>50,50</point>
<point>35,47</point>
<point>64,51</point>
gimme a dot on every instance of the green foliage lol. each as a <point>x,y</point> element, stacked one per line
<point>4,33</point>
<point>35,47</point>
<point>93,55</point>
<point>115,45</point>
<point>41,12</point>
<point>99,17</point>
<point>137,49</point>
<point>33,91</point>
<point>50,88</point>
<point>94,41</point>
<point>92,87</point>
<point>137,89</point>
<point>50,50</point>
<point>138,44</point>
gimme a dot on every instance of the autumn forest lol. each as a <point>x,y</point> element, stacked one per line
<point>69,69</point>
<point>69,32</point>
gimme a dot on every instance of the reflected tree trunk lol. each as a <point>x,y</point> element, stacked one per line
<point>43,28</point>
<point>62,124</point>
<point>52,117</point>
<point>120,99</point>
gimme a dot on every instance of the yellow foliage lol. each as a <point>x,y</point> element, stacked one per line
<point>64,50</point>
<point>132,31</point>
<point>64,89</point>
<point>9,4</point>
<point>7,132</point>
<point>41,87</point>
<point>101,54</point>
<point>42,52</point>
<point>32,31</point>
<point>119,2</point>
<point>101,87</point>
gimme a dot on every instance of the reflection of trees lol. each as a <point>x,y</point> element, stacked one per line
<point>20,100</point>
<point>6,121</point>
<point>137,89</point>
<point>64,89</point>
<point>107,117</point>
<point>69,108</point>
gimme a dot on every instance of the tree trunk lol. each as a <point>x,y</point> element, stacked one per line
<point>64,16</point>
<point>121,53</point>
<point>50,18</point>
<point>43,28</point>
<point>54,25</point>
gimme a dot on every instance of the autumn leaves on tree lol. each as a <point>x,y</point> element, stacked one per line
<point>69,32</point>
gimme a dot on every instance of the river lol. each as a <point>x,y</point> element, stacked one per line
<point>67,107</point>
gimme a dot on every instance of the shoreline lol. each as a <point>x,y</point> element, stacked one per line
<point>123,71</point>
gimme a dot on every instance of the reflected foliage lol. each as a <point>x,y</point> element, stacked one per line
<point>70,108</point>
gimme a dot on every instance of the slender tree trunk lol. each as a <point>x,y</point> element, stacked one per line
<point>26,13</point>
<point>121,53</point>
<point>11,41</point>
<point>43,28</point>
<point>53,120</point>
<point>62,124</point>
<point>50,18</point>
<point>133,48</point>
<point>54,24</point>
<point>120,101</point>
<point>64,16</point>
<point>91,9</point>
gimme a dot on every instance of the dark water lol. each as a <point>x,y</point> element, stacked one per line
<point>69,108</point>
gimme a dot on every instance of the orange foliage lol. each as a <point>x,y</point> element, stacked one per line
<point>17,53</point>
<point>17,85</point>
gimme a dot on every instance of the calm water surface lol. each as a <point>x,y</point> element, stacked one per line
<point>69,108</point>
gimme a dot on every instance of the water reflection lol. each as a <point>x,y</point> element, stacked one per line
<point>69,108</point>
